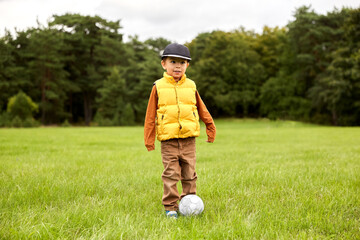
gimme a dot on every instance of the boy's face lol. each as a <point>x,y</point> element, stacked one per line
<point>175,67</point>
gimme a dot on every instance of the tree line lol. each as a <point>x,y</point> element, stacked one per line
<point>78,69</point>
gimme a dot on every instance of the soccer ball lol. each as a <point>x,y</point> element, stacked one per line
<point>191,205</point>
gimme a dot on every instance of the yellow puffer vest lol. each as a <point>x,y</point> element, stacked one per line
<point>177,115</point>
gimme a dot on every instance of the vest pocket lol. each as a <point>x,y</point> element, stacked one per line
<point>196,116</point>
<point>160,122</point>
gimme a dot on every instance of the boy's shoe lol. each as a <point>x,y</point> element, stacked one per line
<point>171,214</point>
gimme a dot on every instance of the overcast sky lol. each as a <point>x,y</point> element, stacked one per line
<point>179,21</point>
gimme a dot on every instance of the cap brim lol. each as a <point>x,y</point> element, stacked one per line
<point>177,56</point>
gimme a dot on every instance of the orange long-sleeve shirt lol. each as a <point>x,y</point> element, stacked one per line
<point>149,126</point>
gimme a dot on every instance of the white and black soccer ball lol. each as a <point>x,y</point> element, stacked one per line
<point>191,205</point>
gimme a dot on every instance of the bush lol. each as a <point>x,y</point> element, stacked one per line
<point>21,106</point>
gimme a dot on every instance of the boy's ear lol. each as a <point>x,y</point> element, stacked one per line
<point>163,64</point>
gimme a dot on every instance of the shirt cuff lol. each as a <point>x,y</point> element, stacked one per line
<point>150,147</point>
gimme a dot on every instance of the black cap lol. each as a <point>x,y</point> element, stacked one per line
<point>176,50</point>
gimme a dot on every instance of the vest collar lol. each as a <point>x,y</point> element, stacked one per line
<point>171,79</point>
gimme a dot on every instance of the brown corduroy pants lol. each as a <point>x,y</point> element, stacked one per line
<point>179,158</point>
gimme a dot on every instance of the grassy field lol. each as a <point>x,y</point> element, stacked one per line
<point>259,180</point>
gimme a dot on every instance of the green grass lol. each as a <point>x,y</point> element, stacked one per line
<point>259,180</point>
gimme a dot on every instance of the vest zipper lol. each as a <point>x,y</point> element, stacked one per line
<point>177,102</point>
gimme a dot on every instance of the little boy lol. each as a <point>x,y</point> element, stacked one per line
<point>173,114</point>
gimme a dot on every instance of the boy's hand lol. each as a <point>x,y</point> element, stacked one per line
<point>150,147</point>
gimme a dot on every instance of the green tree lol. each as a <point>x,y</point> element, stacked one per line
<point>269,47</point>
<point>13,71</point>
<point>7,64</point>
<point>279,101</point>
<point>228,72</point>
<point>143,70</point>
<point>84,35</point>
<point>281,96</point>
<point>112,95</point>
<point>336,89</point>
<point>307,73</point>
<point>46,68</point>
